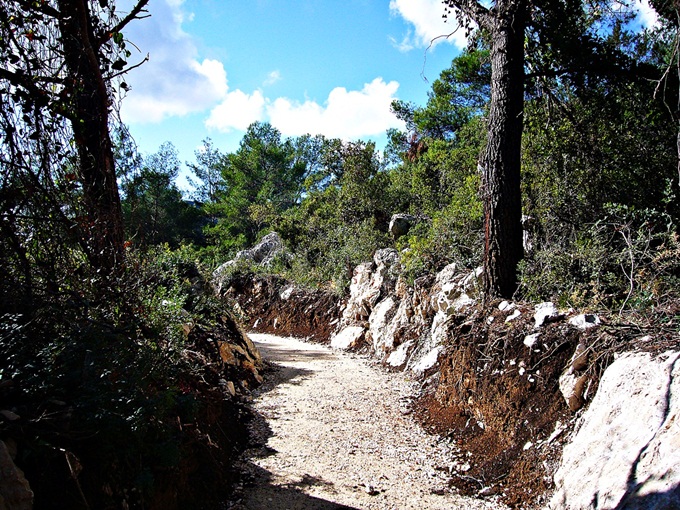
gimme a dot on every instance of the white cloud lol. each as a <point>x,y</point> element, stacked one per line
<point>173,82</point>
<point>237,111</point>
<point>346,114</point>
<point>647,15</point>
<point>272,78</point>
<point>426,18</point>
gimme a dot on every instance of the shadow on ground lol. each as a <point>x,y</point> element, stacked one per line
<point>260,493</point>
<point>257,490</point>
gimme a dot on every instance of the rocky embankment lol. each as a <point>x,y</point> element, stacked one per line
<point>555,409</point>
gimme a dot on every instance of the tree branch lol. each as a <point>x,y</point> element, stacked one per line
<point>28,83</point>
<point>473,10</point>
<point>134,14</point>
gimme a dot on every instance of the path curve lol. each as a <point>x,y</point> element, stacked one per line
<point>335,433</point>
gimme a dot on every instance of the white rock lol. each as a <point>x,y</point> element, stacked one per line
<point>428,361</point>
<point>543,312</point>
<point>530,340</point>
<point>447,274</point>
<point>626,453</point>
<point>439,328</point>
<point>585,321</point>
<point>513,316</point>
<point>347,338</point>
<point>506,306</point>
<point>287,292</point>
<point>383,312</point>
<point>399,356</point>
<point>462,301</point>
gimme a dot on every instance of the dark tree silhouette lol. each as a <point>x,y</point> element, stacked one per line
<point>59,59</point>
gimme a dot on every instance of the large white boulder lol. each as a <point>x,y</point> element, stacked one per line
<point>625,453</point>
<point>370,283</point>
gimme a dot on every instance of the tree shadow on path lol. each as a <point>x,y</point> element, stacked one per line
<point>262,494</point>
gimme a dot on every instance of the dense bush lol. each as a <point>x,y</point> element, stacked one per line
<point>106,393</point>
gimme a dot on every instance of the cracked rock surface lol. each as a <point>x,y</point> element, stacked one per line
<point>333,430</point>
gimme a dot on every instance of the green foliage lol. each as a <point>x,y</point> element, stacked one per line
<point>584,150</point>
<point>453,235</point>
<point>153,208</point>
<point>459,94</point>
<point>628,260</point>
<point>342,223</point>
<point>102,375</point>
<point>260,181</point>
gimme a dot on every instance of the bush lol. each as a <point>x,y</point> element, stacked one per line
<point>628,260</point>
<point>102,382</point>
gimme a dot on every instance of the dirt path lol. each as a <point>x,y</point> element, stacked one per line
<point>335,433</point>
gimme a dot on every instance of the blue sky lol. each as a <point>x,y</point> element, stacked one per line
<point>306,66</point>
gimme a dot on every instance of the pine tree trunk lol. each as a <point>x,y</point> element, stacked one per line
<point>501,161</point>
<point>103,225</point>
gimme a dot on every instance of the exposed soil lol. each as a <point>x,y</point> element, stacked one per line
<point>272,305</point>
<point>501,401</point>
<point>335,431</point>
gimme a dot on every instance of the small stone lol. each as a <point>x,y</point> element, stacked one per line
<point>530,340</point>
<point>545,312</point>
<point>513,316</point>
<point>506,306</point>
<point>585,321</point>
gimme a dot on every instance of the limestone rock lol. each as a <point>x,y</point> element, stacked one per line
<point>428,361</point>
<point>585,321</point>
<point>400,224</point>
<point>453,289</point>
<point>530,340</point>
<point>348,338</point>
<point>573,387</point>
<point>263,253</point>
<point>545,312</point>
<point>626,451</point>
<point>380,317</point>
<point>399,356</point>
<point>370,283</point>
<point>514,315</point>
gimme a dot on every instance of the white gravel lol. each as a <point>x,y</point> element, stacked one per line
<point>337,433</point>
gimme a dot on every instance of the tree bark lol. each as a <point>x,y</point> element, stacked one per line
<point>90,102</point>
<point>501,161</point>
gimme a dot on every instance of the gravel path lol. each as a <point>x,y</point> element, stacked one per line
<point>335,432</point>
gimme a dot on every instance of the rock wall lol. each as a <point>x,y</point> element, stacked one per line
<point>273,305</point>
